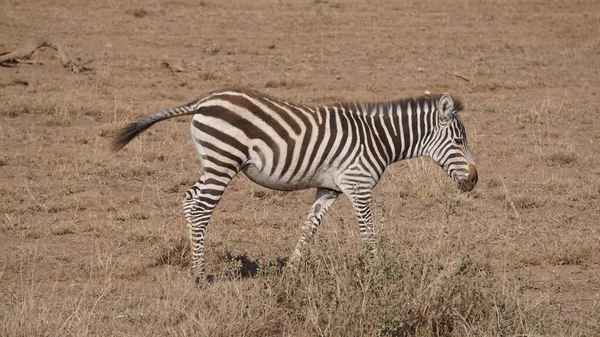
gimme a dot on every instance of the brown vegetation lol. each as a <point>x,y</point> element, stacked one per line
<point>93,243</point>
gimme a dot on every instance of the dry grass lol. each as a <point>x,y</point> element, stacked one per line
<point>428,291</point>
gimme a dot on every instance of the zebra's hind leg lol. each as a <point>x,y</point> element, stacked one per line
<point>324,198</point>
<point>198,204</point>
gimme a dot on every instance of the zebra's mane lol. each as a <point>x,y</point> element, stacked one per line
<point>365,107</point>
<point>386,107</point>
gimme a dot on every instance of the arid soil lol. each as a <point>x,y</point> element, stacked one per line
<point>95,243</point>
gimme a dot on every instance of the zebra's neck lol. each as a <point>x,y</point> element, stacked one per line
<point>404,128</point>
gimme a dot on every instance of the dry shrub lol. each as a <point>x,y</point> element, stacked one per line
<point>343,294</point>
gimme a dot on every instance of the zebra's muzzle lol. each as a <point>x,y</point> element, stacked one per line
<point>469,182</point>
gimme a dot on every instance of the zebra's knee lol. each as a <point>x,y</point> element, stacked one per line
<point>191,194</point>
<point>186,196</point>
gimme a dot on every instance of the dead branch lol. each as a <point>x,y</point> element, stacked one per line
<point>464,78</point>
<point>24,54</point>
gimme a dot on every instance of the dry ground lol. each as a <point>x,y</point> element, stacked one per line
<point>93,243</point>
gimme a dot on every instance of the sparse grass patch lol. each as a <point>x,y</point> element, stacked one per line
<point>174,252</point>
<point>562,158</point>
<point>107,132</point>
<point>573,256</point>
<point>15,108</point>
<point>565,219</point>
<point>525,201</point>
<point>283,84</point>
<point>150,157</point>
<point>559,254</point>
<point>559,187</point>
<point>490,109</point>
<point>139,216</point>
<point>457,204</point>
<point>536,115</point>
<point>262,193</point>
<point>138,12</point>
<point>273,84</point>
<point>124,216</point>
<point>59,122</point>
<point>33,233</point>
<point>61,112</point>
<point>136,171</point>
<point>209,76</point>
<point>55,208</point>
<point>143,237</point>
<point>61,230</point>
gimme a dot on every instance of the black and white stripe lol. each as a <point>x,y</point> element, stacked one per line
<point>340,148</point>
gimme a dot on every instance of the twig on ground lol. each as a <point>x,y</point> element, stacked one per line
<point>460,76</point>
<point>24,54</point>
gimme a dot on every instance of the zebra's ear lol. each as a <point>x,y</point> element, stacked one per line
<point>446,107</point>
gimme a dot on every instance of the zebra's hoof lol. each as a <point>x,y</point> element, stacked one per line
<point>200,279</point>
<point>202,282</point>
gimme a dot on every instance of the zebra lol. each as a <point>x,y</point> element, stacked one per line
<point>342,148</point>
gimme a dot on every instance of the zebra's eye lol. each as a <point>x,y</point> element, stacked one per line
<point>458,140</point>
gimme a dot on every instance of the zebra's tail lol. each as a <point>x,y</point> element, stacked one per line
<point>132,130</point>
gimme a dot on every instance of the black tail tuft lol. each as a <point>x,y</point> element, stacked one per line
<point>129,132</point>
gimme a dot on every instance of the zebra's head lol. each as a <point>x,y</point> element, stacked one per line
<point>449,144</point>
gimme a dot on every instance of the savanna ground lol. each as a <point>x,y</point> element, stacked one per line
<point>95,243</point>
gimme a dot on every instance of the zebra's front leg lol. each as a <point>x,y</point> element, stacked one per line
<point>198,204</point>
<point>324,198</point>
<point>360,196</point>
<point>364,215</point>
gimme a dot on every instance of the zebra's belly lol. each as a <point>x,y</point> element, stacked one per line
<point>284,183</point>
